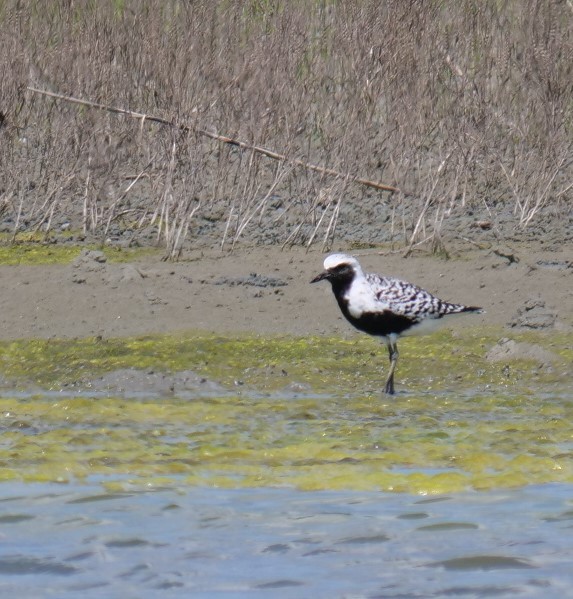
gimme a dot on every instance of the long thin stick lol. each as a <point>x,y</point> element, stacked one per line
<point>222,138</point>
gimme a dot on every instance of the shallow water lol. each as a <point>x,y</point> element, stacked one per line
<point>273,479</point>
<point>427,443</point>
<point>66,540</point>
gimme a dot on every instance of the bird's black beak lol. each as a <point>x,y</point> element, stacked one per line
<point>321,277</point>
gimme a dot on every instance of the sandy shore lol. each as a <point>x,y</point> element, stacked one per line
<point>264,290</point>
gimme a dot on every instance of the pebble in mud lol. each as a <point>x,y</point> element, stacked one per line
<point>533,314</point>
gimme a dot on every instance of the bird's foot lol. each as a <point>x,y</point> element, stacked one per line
<point>389,387</point>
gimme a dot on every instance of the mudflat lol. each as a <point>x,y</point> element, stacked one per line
<point>263,290</point>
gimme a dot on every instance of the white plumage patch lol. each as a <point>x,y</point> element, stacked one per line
<point>362,298</point>
<point>335,260</point>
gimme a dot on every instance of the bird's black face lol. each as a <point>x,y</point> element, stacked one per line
<point>337,274</point>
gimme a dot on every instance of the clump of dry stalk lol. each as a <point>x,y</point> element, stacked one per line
<point>457,104</point>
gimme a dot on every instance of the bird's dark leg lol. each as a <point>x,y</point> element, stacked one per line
<point>393,353</point>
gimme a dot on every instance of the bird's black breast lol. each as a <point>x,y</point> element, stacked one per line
<point>379,324</point>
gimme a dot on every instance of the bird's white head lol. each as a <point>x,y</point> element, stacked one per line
<point>335,260</point>
<point>339,266</point>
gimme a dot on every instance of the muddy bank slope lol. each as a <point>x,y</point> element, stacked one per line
<point>264,290</point>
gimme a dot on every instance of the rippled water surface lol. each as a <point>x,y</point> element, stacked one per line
<point>67,540</point>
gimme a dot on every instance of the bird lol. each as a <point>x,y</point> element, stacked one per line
<point>384,306</point>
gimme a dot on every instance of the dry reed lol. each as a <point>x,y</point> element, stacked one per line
<point>460,105</point>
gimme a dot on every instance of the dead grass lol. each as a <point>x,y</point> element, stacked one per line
<point>456,103</point>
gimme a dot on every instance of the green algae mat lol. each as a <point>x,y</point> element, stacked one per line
<point>32,250</point>
<point>298,412</point>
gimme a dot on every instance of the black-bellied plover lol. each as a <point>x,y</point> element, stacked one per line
<point>383,306</point>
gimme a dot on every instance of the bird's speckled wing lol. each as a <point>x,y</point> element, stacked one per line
<point>406,299</point>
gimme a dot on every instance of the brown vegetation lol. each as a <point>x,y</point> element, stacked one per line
<point>459,104</point>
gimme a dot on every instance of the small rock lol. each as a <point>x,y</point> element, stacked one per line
<point>533,315</point>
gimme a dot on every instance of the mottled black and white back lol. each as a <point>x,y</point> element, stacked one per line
<point>384,306</point>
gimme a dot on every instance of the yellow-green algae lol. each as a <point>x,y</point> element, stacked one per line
<point>458,422</point>
<point>35,253</point>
